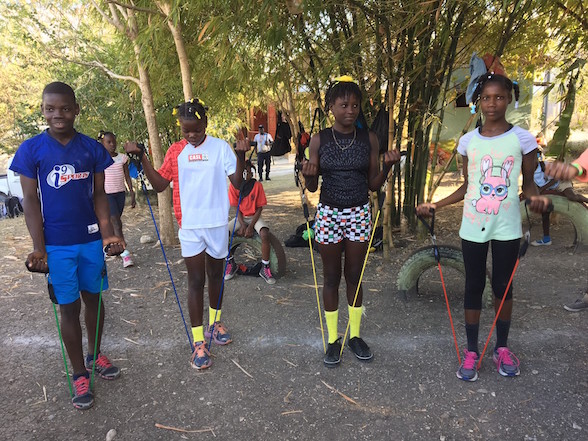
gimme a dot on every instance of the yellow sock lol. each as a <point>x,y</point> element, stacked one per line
<point>212,313</point>
<point>332,318</point>
<point>354,320</point>
<point>198,333</point>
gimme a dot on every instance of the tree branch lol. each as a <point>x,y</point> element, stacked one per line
<point>113,21</point>
<point>583,22</point>
<point>133,7</point>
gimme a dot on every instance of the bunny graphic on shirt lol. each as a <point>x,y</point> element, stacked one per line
<point>493,189</point>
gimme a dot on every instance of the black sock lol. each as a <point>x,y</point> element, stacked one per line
<point>472,335</point>
<point>76,376</point>
<point>502,328</point>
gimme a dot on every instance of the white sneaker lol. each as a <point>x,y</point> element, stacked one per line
<point>127,261</point>
<point>540,243</point>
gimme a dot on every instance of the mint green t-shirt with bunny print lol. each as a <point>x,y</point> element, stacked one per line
<point>491,204</point>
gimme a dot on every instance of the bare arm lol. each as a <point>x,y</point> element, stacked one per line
<point>243,146</point>
<point>158,182</point>
<point>103,214</point>
<point>456,196</point>
<point>537,203</point>
<point>254,219</point>
<point>34,220</point>
<point>376,177</point>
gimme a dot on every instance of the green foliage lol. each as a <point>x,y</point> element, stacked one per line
<point>247,53</point>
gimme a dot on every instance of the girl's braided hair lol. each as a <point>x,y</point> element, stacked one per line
<point>193,109</point>
<point>103,133</point>
<point>491,77</point>
<point>340,88</point>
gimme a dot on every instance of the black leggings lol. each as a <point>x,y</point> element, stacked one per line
<point>504,257</point>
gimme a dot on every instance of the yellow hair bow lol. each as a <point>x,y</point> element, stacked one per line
<point>344,79</point>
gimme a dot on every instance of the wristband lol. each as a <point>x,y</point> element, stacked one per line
<point>579,167</point>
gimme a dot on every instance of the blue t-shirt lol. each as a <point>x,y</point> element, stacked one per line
<point>65,177</point>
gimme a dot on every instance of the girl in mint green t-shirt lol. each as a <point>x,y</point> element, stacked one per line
<point>494,156</point>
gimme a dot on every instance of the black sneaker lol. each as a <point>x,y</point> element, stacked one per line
<point>267,178</point>
<point>83,397</point>
<point>333,355</point>
<point>266,274</point>
<point>360,349</point>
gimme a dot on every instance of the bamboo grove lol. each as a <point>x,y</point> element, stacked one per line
<point>133,60</point>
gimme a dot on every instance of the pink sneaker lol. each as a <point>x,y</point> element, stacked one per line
<point>231,269</point>
<point>468,371</point>
<point>127,261</point>
<point>506,362</point>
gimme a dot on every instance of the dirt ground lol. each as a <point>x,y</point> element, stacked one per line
<point>270,383</point>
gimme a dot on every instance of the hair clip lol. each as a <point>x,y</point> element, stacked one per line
<point>175,111</point>
<point>472,108</point>
<point>198,115</point>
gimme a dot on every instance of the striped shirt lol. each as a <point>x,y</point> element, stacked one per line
<point>114,176</point>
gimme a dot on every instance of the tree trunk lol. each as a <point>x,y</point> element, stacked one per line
<point>176,31</point>
<point>166,225</point>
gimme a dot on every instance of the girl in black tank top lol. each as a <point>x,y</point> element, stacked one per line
<point>347,159</point>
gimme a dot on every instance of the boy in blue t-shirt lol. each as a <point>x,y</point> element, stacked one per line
<point>67,215</point>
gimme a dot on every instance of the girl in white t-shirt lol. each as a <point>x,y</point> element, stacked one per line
<point>115,178</point>
<point>198,166</point>
<point>494,155</point>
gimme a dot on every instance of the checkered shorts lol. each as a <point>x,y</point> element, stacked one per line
<point>332,225</point>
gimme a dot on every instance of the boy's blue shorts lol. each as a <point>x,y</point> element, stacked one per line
<point>75,268</point>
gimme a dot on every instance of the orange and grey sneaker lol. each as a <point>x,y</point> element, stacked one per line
<point>220,334</point>
<point>200,357</point>
<point>83,397</point>
<point>104,368</point>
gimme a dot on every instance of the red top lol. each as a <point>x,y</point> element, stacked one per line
<point>251,202</point>
<point>169,171</point>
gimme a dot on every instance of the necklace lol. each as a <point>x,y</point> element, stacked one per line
<point>347,146</point>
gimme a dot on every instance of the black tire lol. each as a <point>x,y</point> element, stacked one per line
<point>278,261</point>
<point>423,259</point>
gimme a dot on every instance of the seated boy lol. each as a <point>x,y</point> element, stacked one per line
<point>249,220</point>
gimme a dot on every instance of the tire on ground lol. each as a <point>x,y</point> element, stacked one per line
<point>423,259</point>
<point>277,255</point>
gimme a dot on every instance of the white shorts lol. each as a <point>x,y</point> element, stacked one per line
<point>257,227</point>
<point>564,185</point>
<point>214,240</point>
